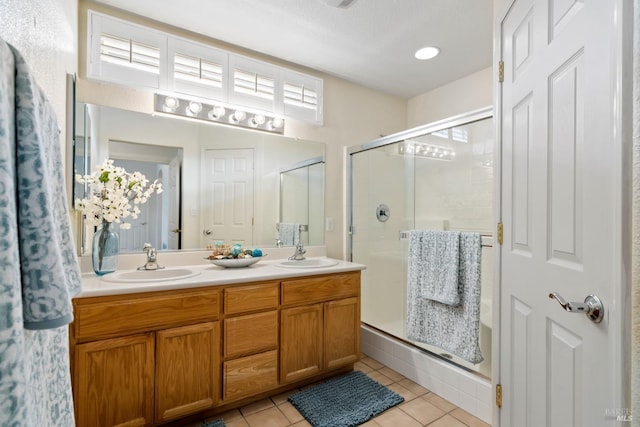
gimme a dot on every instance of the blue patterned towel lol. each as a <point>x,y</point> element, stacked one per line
<point>289,233</point>
<point>434,264</point>
<point>454,329</point>
<point>50,271</point>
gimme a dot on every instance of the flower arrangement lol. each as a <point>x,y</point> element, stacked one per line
<point>114,194</point>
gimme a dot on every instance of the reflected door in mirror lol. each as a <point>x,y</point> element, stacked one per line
<point>227,184</point>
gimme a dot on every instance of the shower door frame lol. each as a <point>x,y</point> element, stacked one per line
<point>454,121</point>
<point>459,120</point>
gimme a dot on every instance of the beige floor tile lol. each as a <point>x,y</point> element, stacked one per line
<point>422,410</point>
<point>467,418</point>
<point>371,362</point>
<point>395,376</point>
<point>303,423</point>
<point>241,422</point>
<point>396,418</point>
<point>402,391</point>
<point>441,403</point>
<point>370,423</point>
<point>360,366</point>
<point>228,416</point>
<point>414,388</point>
<point>260,405</point>
<point>271,417</point>
<point>290,412</point>
<point>446,421</point>
<point>281,398</point>
<point>381,378</point>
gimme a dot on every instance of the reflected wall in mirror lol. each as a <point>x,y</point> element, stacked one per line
<point>302,202</point>
<point>222,183</point>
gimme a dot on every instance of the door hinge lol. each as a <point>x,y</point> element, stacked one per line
<point>499,395</point>
<point>500,233</point>
<point>501,71</point>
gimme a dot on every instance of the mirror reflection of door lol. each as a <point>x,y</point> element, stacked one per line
<point>227,195</point>
<point>159,219</point>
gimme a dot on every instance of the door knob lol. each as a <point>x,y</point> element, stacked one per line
<point>592,306</point>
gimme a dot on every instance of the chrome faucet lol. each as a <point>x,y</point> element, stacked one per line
<point>298,255</point>
<point>152,258</point>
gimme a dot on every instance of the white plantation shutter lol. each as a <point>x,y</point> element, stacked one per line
<point>254,83</point>
<point>197,69</point>
<point>126,53</point>
<point>129,54</point>
<point>302,96</point>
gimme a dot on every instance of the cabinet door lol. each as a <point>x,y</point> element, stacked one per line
<point>113,381</point>
<point>341,332</point>
<point>187,370</point>
<point>250,375</point>
<point>301,342</point>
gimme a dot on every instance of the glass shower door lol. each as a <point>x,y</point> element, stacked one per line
<point>382,205</point>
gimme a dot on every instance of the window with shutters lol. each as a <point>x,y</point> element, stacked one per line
<point>129,53</point>
<point>122,52</point>
<point>253,83</point>
<point>302,96</point>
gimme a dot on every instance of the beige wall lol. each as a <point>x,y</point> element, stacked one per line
<point>352,114</point>
<point>45,33</point>
<point>461,96</point>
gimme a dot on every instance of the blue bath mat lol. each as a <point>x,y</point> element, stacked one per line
<point>347,401</point>
<point>215,423</point>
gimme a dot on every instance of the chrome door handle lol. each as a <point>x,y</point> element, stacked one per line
<point>592,306</point>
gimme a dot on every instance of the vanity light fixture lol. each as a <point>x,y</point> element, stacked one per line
<point>427,53</point>
<point>216,113</point>
<point>422,149</point>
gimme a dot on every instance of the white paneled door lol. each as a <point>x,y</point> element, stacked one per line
<point>563,199</point>
<point>227,183</point>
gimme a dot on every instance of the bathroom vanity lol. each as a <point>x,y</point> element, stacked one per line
<point>150,354</point>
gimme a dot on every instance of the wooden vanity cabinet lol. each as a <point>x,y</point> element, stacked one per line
<point>250,340</point>
<point>323,336</point>
<point>113,381</point>
<point>143,359</point>
<point>148,359</point>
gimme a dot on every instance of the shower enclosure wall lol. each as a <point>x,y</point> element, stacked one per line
<point>440,177</point>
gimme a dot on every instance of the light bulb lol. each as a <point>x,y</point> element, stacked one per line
<point>171,103</point>
<point>217,112</point>
<point>239,116</point>
<point>195,107</point>
<point>258,119</point>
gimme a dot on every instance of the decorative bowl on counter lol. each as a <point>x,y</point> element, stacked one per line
<point>235,262</point>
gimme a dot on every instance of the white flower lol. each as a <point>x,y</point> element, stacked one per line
<point>114,194</point>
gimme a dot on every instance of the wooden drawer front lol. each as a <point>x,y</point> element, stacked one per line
<point>244,299</point>
<point>250,334</point>
<point>109,318</point>
<point>316,289</point>
<point>250,375</point>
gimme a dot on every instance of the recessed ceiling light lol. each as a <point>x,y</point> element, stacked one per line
<point>427,52</point>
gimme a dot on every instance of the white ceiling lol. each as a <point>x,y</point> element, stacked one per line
<point>371,42</point>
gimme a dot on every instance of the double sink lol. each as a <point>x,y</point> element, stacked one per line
<point>179,273</point>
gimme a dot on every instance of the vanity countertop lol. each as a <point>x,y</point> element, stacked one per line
<point>209,275</point>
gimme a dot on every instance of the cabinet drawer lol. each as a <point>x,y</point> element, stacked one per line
<point>244,299</point>
<point>250,375</point>
<point>317,289</point>
<point>250,334</point>
<point>105,317</point>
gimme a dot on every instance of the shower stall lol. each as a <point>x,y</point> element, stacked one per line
<point>438,177</point>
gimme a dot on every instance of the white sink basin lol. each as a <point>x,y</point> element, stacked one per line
<point>150,275</point>
<point>308,263</point>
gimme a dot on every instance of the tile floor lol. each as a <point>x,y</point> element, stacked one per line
<point>420,407</point>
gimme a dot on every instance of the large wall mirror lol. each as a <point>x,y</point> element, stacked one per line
<point>221,184</point>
